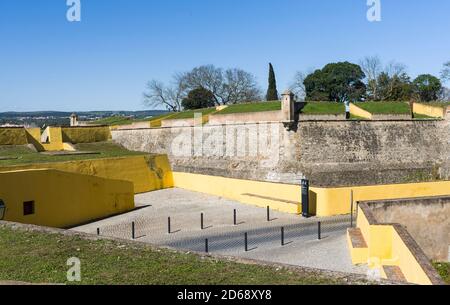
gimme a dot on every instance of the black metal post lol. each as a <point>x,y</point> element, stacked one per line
<point>268,213</point>
<point>202,224</point>
<point>246,242</point>
<point>168,225</point>
<point>206,246</point>
<point>319,230</point>
<point>235,217</point>
<point>351,207</point>
<point>98,231</point>
<point>133,230</point>
<point>282,236</point>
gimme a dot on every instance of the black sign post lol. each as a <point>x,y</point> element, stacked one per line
<point>305,198</point>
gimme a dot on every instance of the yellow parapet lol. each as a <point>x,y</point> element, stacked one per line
<point>147,173</point>
<point>390,245</point>
<point>93,134</point>
<point>429,110</point>
<point>359,112</point>
<point>60,199</point>
<point>13,136</point>
<point>287,197</point>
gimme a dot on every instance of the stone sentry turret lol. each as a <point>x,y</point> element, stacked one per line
<point>73,120</point>
<point>288,106</point>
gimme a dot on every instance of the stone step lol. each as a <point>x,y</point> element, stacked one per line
<point>359,250</point>
<point>394,273</point>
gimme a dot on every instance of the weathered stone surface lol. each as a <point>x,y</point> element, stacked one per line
<point>333,153</point>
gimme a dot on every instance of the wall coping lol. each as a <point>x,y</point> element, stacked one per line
<point>409,241</point>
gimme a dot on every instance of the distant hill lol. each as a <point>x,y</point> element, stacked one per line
<point>58,118</point>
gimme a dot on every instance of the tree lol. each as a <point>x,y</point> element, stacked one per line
<point>228,87</point>
<point>198,99</point>
<point>298,86</point>
<point>394,88</point>
<point>372,68</point>
<point>272,93</point>
<point>445,74</point>
<point>337,82</point>
<point>427,87</point>
<point>158,95</point>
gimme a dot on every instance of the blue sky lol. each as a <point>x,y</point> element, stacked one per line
<point>104,61</point>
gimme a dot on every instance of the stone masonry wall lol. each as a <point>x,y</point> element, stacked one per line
<point>329,153</point>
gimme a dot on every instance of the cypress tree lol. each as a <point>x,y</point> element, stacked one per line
<point>272,93</point>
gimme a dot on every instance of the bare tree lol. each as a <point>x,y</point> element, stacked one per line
<point>298,86</point>
<point>157,95</point>
<point>208,77</point>
<point>394,68</point>
<point>445,74</point>
<point>239,87</point>
<point>372,68</point>
<point>228,87</point>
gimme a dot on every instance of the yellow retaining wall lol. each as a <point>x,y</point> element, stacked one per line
<point>55,140</point>
<point>63,199</point>
<point>13,136</point>
<point>428,110</point>
<point>148,173</point>
<point>323,201</point>
<point>387,248</point>
<point>357,111</point>
<point>77,135</point>
<point>236,189</point>
<point>337,201</point>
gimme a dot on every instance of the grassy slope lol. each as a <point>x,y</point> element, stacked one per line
<point>252,107</point>
<point>323,108</point>
<point>444,270</point>
<point>385,107</point>
<point>438,104</point>
<point>27,156</point>
<point>41,258</point>
<point>190,114</point>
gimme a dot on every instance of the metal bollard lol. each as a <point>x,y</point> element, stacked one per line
<point>268,213</point>
<point>168,226</point>
<point>133,230</point>
<point>282,236</point>
<point>202,224</point>
<point>319,230</point>
<point>98,231</point>
<point>246,242</point>
<point>235,217</point>
<point>206,246</point>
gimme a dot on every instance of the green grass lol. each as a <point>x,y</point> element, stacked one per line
<point>422,116</point>
<point>41,258</point>
<point>190,114</point>
<point>28,156</point>
<point>385,107</point>
<point>314,108</point>
<point>252,107</point>
<point>444,271</point>
<point>114,120</point>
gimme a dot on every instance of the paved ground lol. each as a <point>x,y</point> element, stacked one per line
<point>264,238</point>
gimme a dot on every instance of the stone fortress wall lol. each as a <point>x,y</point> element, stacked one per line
<point>329,153</point>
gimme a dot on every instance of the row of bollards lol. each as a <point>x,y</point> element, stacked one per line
<point>202,226</point>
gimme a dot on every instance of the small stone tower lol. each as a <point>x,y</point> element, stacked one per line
<point>288,105</point>
<point>73,120</point>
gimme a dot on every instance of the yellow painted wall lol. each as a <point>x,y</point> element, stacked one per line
<point>337,201</point>
<point>55,141</point>
<point>428,110</point>
<point>386,248</point>
<point>158,122</point>
<point>323,201</point>
<point>148,173</point>
<point>63,199</point>
<point>355,110</point>
<point>236,189</point>
<point>77,135</point>
<point>13,136</point>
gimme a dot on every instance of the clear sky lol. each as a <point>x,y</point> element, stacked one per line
<point>104,61</point>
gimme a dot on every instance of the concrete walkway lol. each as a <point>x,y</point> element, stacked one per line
<point>302,246</point>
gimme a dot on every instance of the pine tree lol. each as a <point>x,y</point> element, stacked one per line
<point>272,93</point>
